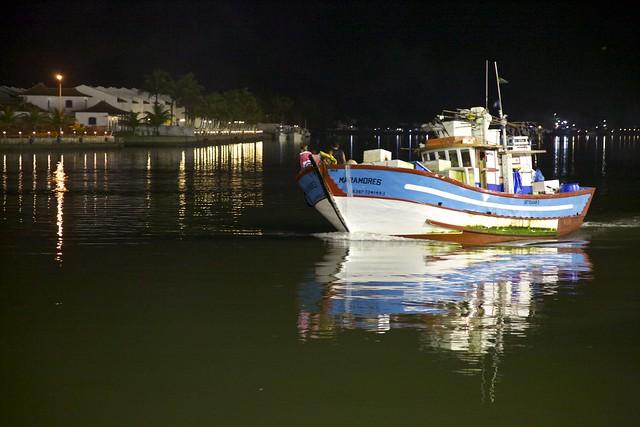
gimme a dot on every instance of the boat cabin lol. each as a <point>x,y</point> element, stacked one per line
<point>470,152</point>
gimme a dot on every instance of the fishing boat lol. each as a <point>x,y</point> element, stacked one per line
<point>475,183</point>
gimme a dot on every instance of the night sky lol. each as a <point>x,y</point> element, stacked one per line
<point>376,62</point>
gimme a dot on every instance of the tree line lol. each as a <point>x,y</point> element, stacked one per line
<point>214,108</point>
<point>218,107</point>
<point>13,120</point>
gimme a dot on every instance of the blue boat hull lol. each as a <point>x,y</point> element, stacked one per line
<point>412,203</point>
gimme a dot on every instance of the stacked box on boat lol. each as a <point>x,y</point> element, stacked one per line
<point>546,187</point>
<point>395,164</point>
<point>378,155</point>
<point>518,143</point>
<point>457,128</point>
<point>492,136</point>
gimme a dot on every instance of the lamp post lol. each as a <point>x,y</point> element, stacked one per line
<point>59,78</point>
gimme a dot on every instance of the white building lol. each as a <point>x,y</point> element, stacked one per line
<point>97,106</point>
<point>47,98</point>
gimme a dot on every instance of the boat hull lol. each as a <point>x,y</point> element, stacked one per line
<point>417,204</point>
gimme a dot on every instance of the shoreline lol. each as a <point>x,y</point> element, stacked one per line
<point>111,142</point>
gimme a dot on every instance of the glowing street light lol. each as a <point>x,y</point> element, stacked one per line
<point>59,79</point>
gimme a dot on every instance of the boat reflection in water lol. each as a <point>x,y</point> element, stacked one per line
<point>464,300</point>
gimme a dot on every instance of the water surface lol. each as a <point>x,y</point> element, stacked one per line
<point>193,286</point>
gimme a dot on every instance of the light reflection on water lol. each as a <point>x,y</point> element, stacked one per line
<point>60,188</point>
<point>465,301</point>
<point>132,194</point>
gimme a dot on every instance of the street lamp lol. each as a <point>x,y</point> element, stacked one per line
<point>59,78</point>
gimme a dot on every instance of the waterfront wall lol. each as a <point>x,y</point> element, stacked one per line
<point>165,141</point>
<point>53,142</point>
<point>109,141</point>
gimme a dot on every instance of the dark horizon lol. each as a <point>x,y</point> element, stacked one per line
<point>365,61</point>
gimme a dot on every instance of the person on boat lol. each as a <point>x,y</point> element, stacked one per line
<point>304,156</point>
<point>339,155</point>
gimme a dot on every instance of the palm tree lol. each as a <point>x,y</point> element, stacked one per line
<point>188,94</point>
<point>215,107</point>
<point>242,105</point>
<point>8,117</point>
<point>33,119</point>
<point>132,121</point>
<point>156,83</point>
<point>59,119</point>
<point>157,117</point>
<point>280,107</point>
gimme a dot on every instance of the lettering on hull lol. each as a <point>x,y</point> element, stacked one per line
<point>361,180</point>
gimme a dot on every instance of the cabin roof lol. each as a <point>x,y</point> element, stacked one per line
<point>454,142</point>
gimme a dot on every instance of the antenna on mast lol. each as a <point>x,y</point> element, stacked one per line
<point>486,85</point>
<point>505,157</point>
<point>503,118</point>
<point>499,96</point>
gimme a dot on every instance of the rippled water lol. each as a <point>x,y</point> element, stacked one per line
<point>193,286</point>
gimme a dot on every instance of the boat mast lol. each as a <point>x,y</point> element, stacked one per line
<point>507,169</point>
<point>503,118</point>
<point>486,85</point>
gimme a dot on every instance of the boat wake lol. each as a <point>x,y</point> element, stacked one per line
<point>633,222</point>
<point>360,237</point>
<point>568,243</point>
<point>373,237</point>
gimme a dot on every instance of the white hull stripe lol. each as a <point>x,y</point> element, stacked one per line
<point>470,201</point>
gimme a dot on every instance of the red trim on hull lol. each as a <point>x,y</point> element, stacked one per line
<point>472,238</point>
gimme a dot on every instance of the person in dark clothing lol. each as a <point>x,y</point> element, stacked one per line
<point>338,154</point>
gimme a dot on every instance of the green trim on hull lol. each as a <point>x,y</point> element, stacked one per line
<point>514,231</point>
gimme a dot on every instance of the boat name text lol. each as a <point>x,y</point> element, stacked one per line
<point>361,180</point>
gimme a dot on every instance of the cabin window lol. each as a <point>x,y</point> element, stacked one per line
<point>431,156</point>
<point>68,103</point>
<point>92,121</point>
<point>441,155</point>
<point>466,158</point>
<point>453,158</point>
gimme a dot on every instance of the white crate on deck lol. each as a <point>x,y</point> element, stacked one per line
<point>546,187</point>
<point>493,136</point>
<point>457,128</point>
<point>395,164</point>
<point>378,155</point>
<point>518,143</point>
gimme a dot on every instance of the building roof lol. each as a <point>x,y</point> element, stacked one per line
<point>104,107</point>
<point>10,95</point>
<point>41,90</point>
